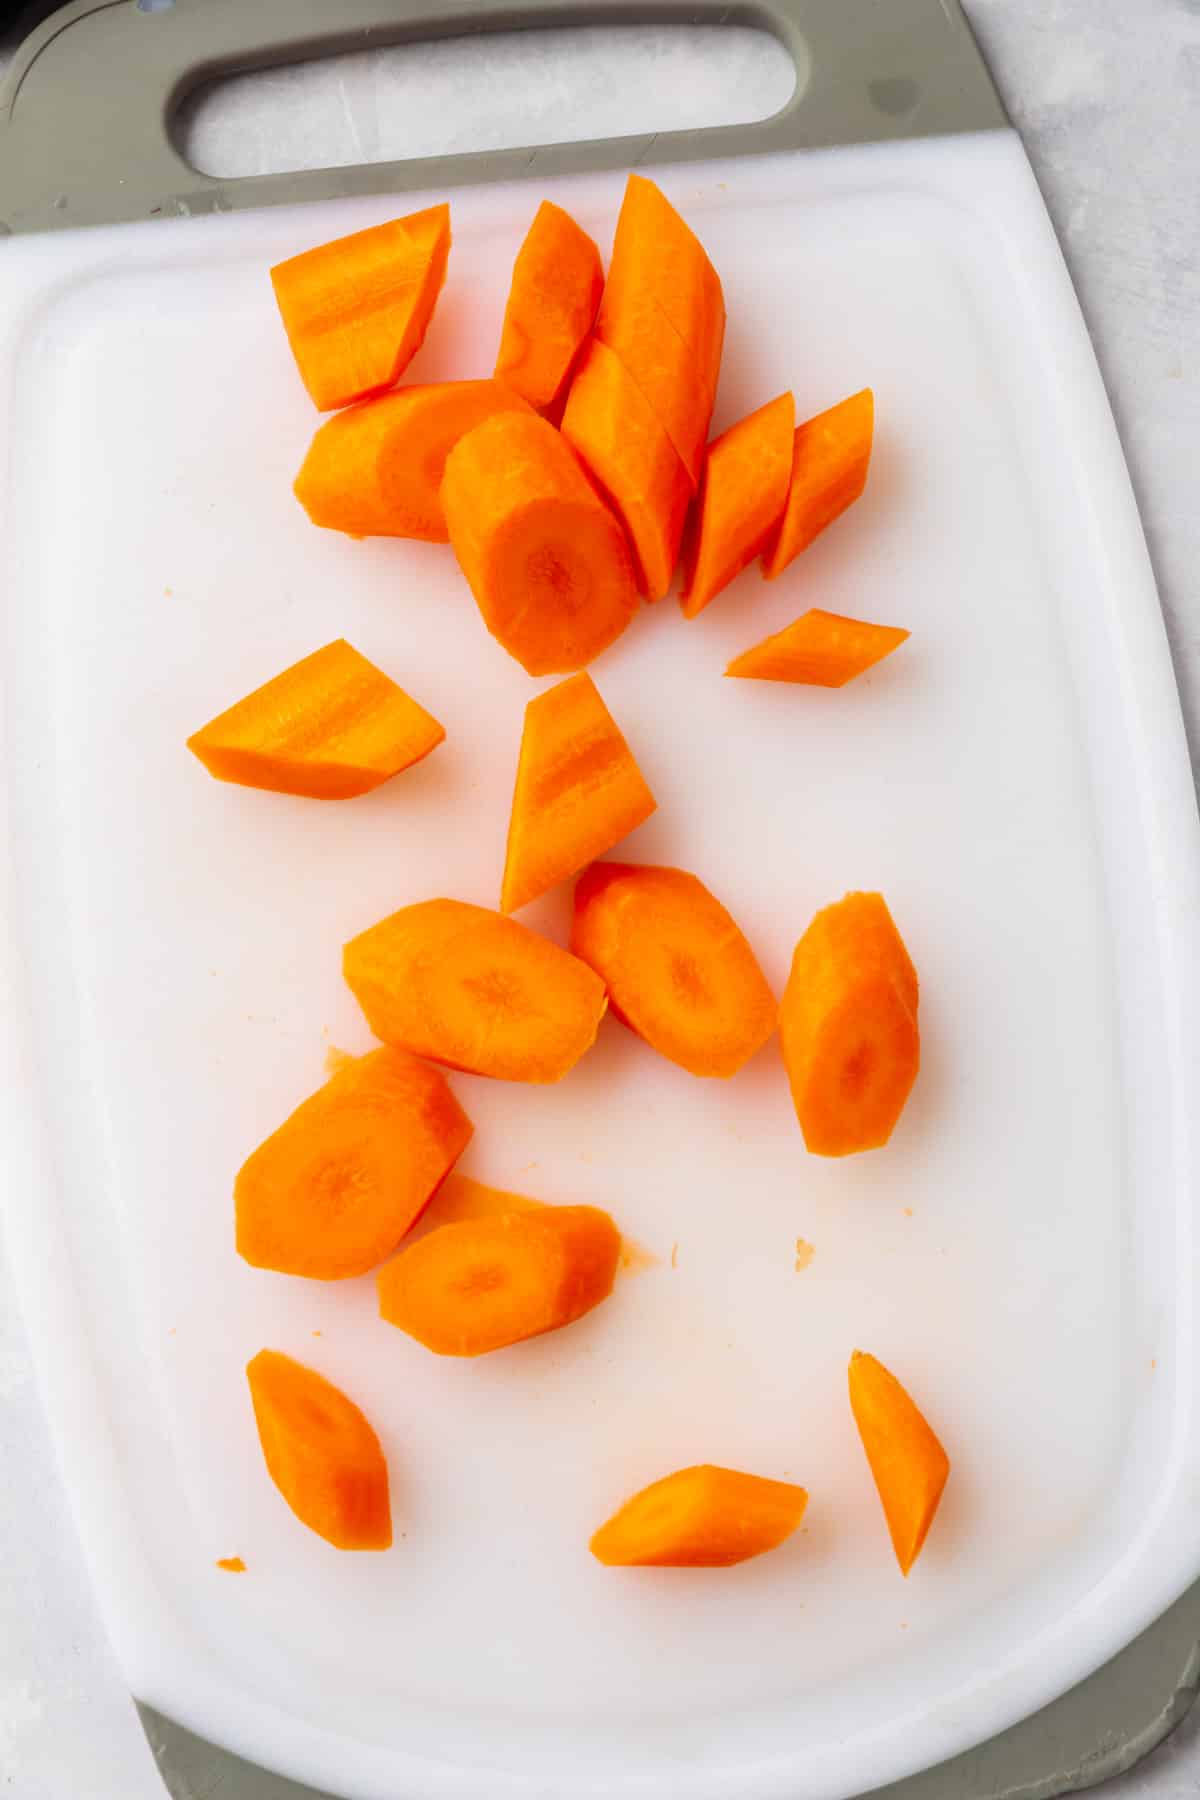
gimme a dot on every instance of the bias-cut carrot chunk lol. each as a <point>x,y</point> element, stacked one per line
<point>741,500</point>
<point>700,1518</point>
<point>678,971</point>
<point>830,458</point>
<point>547,562</point>
<point>484,1283</point>
<point>617,433</point>
<point>907,1460</point>
<point>462,1197</point>
<point>821,649</point>
<point>322,1454</point>
<point>848,1026</point>
<point>356,311</point>
<point>557,281</point>
<point>476,991</point>
<point>335,1188</point>
<point>376,469</point>
<point>330,727</point>
<point>578,791</point>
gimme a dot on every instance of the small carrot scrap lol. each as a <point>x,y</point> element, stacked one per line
<point>907,1460</point>
<point>462,1197</point>
<point>740,503</point>
<point>830,458</point>
<point>678,971</point>
<point>578,791</point>
<point>700,1518</point>
<point>233,1565</point>
<point>356,311</point>
<point>321,1453</point>
<point>483,1283</point>
<point>335,1188</point>
<point>469,988</point>
<point>557,281</point>
<point>821,649</point>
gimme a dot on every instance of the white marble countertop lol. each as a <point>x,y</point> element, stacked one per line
<point>1106,94</point>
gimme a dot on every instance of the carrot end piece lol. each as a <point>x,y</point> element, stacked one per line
<point>321,1453</point>
<point>700,1518</point>
<point>908,1463</point>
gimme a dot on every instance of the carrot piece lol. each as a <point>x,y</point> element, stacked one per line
<point>233,1565</point>
<point>376,469</point>
<point>830,458</point>
<point>578,791</point>
<point>462,1197</point>
<point>321,1453</point>
<point>907,1460</point>
<point>848,1026</point>
<point>471,989</point>
<point>678,971</point>
<point>700,1518</point>
<point>481,1284</point>
<point>821,649</point>
<point>740,502</point>
<point>557,281</point>
<point>330,727</point>
<point>335,1188</point>
<point>615,430</point>
<point>356,311</point>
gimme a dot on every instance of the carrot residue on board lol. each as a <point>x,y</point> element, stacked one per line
<point>336,1059</point>
<point>804,1253</point>
<point>232,1564</point>
<point>635,1258</point>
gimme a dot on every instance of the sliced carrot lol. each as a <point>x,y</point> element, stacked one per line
<point>330,727</point>
<point>740,502</point>
<point>462,1197</point>
<point>557,281</point>
<point>482,1284</point>
<point>356,311</point>
<point>578,791</point>
<point>830,458</point>
<point>335,1188</point>
<point>321,1453</point>
<point>700,1518</point>
<point>907,1460</point>
<point>376,469</point>
<point>678,971</point>
<point>471,989</point>
<point>848,1026</point>
<point>821,649</point>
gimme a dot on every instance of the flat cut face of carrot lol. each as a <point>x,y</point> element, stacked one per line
<point>819,649</point>
<point>908,1463</point>
<point>335,1188</point>
<point>830,458</point>
<point>556,286</point>
<point>678,971</point>
<point>330,727</point>
<point>578,791</point>
<point>476,991</point>
<point>700,1518</point>
<point>322,1454</point>
<point>356,310</point>
<point>741,500</point>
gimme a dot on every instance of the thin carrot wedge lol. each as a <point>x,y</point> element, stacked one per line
<point>557,281</point>
<point>907,1460</point>
<point>830,458</point>
<point>678,971</point>
<point>484,1283</point>
<point>376,469</point>
<point>547,562</point>
<point>578,791</point>
<point>820,649</point>
<point>335,1188</point>
<point>330,727</point>
<point>700,1518</point>
<point>462,1197</point>
<point>741,500</point>
<point>476,991</point>
<point>356,311</point>
<point>322,1454</point>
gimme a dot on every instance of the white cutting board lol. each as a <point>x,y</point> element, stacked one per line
<point>1014,780</point>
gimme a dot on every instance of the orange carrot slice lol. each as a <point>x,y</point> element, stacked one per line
<point>547,562</point>
<point>907,1461</point>
<point>830,458</point>
<point>740,502</point>
<point>578,791</point>
<point>330,727</point>
<point>822,649</point>
<point>321,1453</point>
<point>376,469</point>
<point>335,1188</point>
<point>356,311</point>
<point>471,989</point>
<point>484,1283</point>
<point>848,1026</point>
<point>557,281</point>
<point>700,1518</point>
<point>678,971</point>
